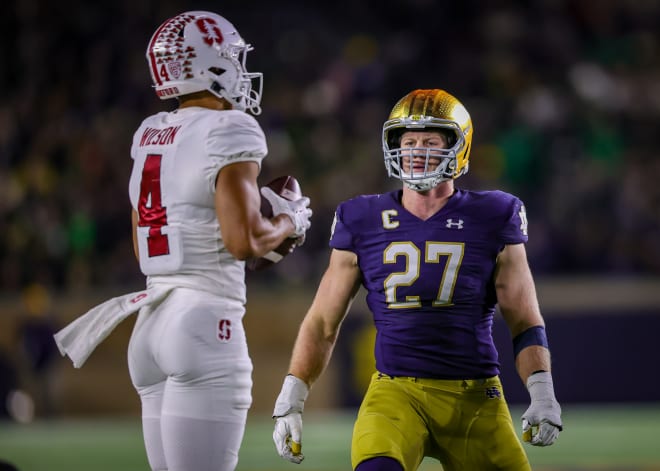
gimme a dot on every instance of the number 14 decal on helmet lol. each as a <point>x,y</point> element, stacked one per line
<point>152,213</point>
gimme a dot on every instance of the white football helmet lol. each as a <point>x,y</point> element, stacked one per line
<point>197,51</point>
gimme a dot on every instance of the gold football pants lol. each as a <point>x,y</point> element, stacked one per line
<point>465,424</point>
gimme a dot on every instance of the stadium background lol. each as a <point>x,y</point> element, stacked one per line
<point>565,100</point>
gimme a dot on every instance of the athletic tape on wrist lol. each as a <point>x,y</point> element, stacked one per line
<point>532,336</point>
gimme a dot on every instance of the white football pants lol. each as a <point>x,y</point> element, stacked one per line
<point>189,361</point>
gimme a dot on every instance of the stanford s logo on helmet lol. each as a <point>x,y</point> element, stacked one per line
<point>428,110</point>
<point>197,51</point>
<point>210,31</point>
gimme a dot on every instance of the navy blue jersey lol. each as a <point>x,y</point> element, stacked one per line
<point>430,283</point>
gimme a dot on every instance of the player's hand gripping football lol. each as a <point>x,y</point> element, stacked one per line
<point>297,210</point>
<point>288,419</point>
<point>541,422</point>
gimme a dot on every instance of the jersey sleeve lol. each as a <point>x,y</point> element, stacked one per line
<point>237,137</point>
<point>340,235</point>
<point>514,229</point>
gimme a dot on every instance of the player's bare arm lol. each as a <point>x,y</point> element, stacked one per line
<point>319,330</point>
<point>516,297</point>
<point>313,349</point>
<point>516,294</point>
<point>245,232</point>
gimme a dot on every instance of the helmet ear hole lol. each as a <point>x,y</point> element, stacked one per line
<point>215,87</point>
<point>394,138</point>
<point>450,136</point>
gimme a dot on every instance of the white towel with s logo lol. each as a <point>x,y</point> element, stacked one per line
<point>79,338</point>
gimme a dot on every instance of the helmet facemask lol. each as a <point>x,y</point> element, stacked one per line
<point>440,163</point>
<point>230,80</point>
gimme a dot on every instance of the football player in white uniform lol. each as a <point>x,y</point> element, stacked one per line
<point>196,219</point>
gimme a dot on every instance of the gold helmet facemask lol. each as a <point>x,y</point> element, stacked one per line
<point>428,110</point>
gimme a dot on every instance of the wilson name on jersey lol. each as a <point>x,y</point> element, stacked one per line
<point>176,158</point>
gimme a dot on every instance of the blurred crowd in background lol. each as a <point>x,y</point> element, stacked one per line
<point>564,97</point>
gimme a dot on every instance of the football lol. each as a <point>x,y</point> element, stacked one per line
<point>289,188</point>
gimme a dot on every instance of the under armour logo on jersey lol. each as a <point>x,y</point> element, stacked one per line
<point>493,392</point>
<point>457,224</point>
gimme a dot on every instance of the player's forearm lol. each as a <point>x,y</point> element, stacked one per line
<point>267,235</point>
<point>312,351</point>
<point>531,359</point>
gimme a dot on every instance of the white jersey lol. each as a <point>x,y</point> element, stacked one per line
<point>177,156</point>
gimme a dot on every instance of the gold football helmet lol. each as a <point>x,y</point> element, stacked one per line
<point>428,110</point>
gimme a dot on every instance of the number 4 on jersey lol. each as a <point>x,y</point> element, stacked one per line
<point>152,213</point>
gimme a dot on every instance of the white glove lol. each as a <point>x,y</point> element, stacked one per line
<point>541,422</point>
<point>297,210</point>
<point>288,419</point>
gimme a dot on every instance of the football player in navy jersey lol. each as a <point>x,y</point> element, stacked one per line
<point>435,261</point>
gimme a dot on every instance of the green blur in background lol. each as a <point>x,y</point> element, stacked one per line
<point>621,437</point>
